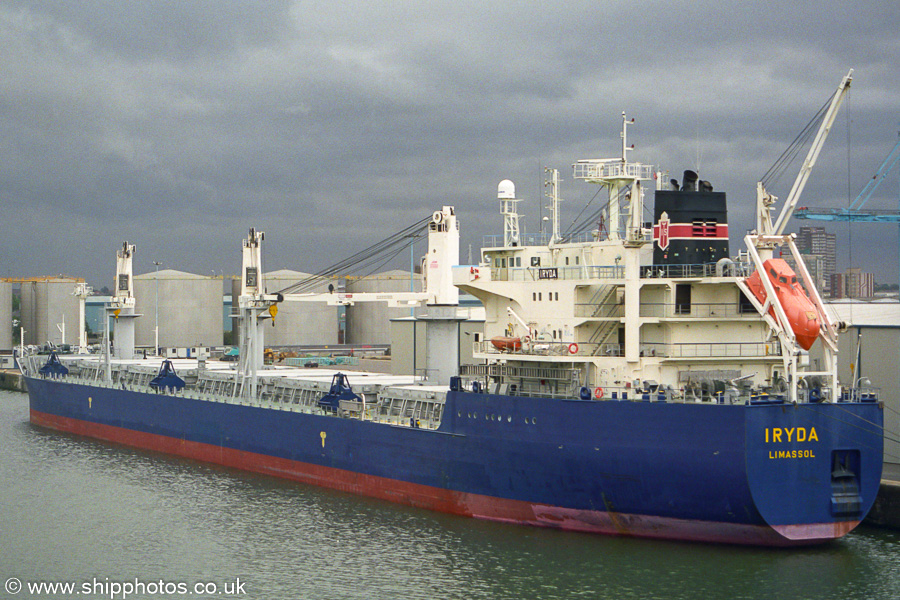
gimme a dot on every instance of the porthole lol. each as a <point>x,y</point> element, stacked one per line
<point>534,420</point>
<point>474,415</point>
<point>509,419</point>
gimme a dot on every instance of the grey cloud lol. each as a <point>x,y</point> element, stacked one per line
<point>177,125</point>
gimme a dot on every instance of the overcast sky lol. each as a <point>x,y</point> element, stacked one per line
<point>330,125</point>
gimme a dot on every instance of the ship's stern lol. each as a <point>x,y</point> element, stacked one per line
<point>814,469</point>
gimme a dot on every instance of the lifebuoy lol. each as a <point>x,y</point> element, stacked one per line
<point>573,348</point>
<point>526,339</point>
<point>598,392</point>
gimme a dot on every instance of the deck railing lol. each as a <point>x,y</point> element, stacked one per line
<point>697,310</point>
<point>583,272</point>
<point>710,350</point>
<point>610,168</point>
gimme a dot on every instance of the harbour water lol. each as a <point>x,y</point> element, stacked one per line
<point>74,510</point>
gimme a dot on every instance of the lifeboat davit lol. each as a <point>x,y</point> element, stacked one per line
<point>507,344</point>
<point>800,310</point>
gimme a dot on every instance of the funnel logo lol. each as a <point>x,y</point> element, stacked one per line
<point>663,238</point>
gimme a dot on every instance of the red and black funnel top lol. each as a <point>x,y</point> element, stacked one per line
<point>690,223</point>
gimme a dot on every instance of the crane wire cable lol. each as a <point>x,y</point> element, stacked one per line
<point>573,229</point>
<point>586,223</point>
<point>371,257</point>
<point>790,154</point>
<point>362,259</point>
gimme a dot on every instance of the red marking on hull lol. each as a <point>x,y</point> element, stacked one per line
<point>453,502</point>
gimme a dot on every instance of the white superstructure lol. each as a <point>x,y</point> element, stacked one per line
<point>595,316</point>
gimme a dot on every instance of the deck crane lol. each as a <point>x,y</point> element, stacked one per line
<point>761,244</point>
<point>765,200</point>
<point>82,291</point>
<point>122,305</point>
<point>257,305</point>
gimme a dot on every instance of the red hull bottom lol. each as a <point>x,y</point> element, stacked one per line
<point>457,503</point>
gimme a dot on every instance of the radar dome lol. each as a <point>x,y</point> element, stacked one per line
<point>506,190</point>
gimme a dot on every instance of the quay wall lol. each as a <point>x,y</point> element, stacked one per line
<point>11,380</point>
<point>886,510</point>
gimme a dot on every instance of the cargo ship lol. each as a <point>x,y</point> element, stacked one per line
<point>634,380</point>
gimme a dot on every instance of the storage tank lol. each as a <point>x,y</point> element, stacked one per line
<point>370,322</point>
<point>189,309</point>
<point>300,323</point>
<point>6,341</point>
<point>49,307</point>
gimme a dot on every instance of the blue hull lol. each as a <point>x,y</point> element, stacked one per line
<point>769,474</point>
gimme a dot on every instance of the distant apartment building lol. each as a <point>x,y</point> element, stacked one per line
<point>815,264</point>
<point>853,283</point>
<point>818,244</point>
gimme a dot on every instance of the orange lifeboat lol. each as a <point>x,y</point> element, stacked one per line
<point>800,310</point>
<point>507,344</point>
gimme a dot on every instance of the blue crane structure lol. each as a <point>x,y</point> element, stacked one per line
<point>855,212</point>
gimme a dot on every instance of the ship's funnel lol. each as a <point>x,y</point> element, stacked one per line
<point>689,182</point>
